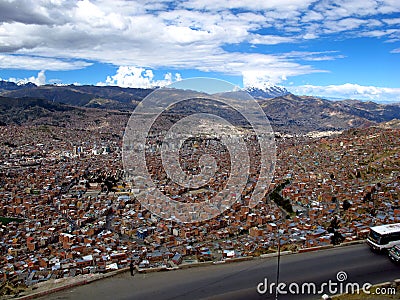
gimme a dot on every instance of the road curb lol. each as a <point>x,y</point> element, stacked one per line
<point>325,247</point>
<point>193,265</point>
<point>72,285</point>
<point>303,250</point>
<point>357,242</point>
<point>238,259</point>
<point>268,255</point>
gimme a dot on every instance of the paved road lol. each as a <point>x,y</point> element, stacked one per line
<point>239,280</point>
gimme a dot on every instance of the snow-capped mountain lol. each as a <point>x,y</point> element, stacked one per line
<point>11,86</point>
<point>268,91</point>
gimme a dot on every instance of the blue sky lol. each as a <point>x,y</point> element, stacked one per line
<point>334,49</point>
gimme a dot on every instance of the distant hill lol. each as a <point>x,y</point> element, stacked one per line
<point>31,111</point>
<point>288,113</point>
<point>392,124</point>
<point>11,86</point>
<point>23,110</point>
<point>108,97</point>
<point>292,113</point>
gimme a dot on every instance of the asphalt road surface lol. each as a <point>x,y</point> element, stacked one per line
<point>240,280</point>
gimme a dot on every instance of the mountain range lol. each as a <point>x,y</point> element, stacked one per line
<point>271,91</point>
<point>27,103</point>
<point>112,97</point>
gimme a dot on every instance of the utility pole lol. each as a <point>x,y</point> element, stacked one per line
<point>279,261</point>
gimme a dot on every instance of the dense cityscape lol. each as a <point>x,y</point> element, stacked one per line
<point>67,210</point>
<point>198,149</point>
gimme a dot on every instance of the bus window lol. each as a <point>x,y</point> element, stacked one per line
<point>375,237</point>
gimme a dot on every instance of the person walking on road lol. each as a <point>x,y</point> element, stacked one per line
<point>132,269</point>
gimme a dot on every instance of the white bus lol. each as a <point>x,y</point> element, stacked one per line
<point>384,236</point>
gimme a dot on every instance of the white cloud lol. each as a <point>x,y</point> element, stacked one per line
<point>339,9</point>
<point>349,91</point>
<point>258,5</point>
<point>40,79</point>
<point>135,77</point>
<point>265,78</point>
<point>269,39</point>
<point>394,21</point>
<point>312,16</point>
<point>28,62</point>
<point>347,24</point>
<point>260,79</point>
<point>314,56</point>
<point>64,35</point>
<point>380,33</point>
<point>397,50</point>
